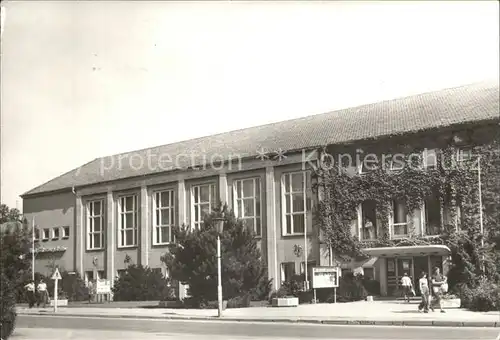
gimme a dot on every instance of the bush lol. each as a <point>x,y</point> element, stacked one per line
<point>71,286</point>
<point>239,302</point>
<point>14,266</point>
<point>263,290</point>
<point>483,297</point>
<point>192,259</point>
<point>140,283</point>
<point>7,307</point>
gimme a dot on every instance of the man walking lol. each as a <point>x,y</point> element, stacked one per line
<point>407,285</point>
<point>30,293</point>
<point>437,282</point>
<point>42,293</point>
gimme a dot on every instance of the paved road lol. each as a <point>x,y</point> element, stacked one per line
<point>50,327</point>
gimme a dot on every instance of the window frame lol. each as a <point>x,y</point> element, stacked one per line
<point>90,246</point>
<point>306,198</point>
<point>45,234</point>
<point>158,227</point>
<point>392,223</point>
<point>212,194</point>
<point>425,214</point>
<point>65,235</point>
<point>257,201</point>
<point>54,231</point>
<point>360,215</point>
<point>135,218</point>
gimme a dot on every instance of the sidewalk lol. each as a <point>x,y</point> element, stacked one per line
<point>371,313</point>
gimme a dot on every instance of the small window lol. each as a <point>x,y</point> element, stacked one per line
<point>37,234</point>
<point>464,155</point>
<point>46,234</point>
<point>65,232</point>
<point>55,233</point>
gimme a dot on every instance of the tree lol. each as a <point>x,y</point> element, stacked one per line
<point>139,283</point>
<point>192,260</point>
<point>14,265</point>
<point>9,215</point>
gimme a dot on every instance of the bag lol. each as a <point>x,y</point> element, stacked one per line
<point>435,289</point>
<point>444,287</point>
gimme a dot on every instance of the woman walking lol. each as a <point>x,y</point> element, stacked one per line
<point>423,284</point>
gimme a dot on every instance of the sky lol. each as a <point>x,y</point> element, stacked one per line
<point>81,80</point>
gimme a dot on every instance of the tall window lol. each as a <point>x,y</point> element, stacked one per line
<point>248,203</point>
<point>95,223</point>
<point>432,215</point>
<point>464,155</point>
<point>204,198</point>
<point>400,219</point>
<point>368,214</point>
<point>164,217</point>
<point>295,188</point>
<point>128,221</point>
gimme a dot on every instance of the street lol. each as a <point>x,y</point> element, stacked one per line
<point>79,328</point>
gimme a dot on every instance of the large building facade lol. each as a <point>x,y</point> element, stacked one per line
<point>121,209</point>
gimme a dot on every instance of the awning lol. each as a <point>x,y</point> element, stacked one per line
<point>431,249</point>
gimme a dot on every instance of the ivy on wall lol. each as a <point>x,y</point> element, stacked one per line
<point>454,183</point>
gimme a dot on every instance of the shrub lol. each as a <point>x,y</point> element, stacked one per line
<point>192,259</point>
<point>140,283</point>
<point>239,302</point>
<point>71,286</point>
<point>14,266</point>
<point>483,297</point>
<point>263,290</point>
<point>7,307</point>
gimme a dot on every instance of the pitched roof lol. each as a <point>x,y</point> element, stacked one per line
<point>460,105</point>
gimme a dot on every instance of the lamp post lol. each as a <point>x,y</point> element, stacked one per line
<point>219,226</point>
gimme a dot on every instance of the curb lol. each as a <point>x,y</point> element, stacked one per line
<point>412,323</point>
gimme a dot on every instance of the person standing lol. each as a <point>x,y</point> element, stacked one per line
<point>30,293</point>
<point>423,284</point>
<point>42,293</point>
<point>437,282</point>
<point>407,285</point>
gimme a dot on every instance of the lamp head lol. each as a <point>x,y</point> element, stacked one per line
<point>219,224</point>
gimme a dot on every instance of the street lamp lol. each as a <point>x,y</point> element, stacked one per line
<point>219,226</point>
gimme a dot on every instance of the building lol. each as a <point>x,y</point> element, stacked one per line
<point>92,219</point>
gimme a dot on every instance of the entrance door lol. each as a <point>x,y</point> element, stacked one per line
<point>405,265</point>
<point>420,265</point>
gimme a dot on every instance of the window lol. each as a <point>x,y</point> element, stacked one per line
<point>464,154</point>
<point>55,233</point>
<point>429,157</point>
<point>248,203</point>
<point>128,221</point>
<point>287,271</point>
<point>46,234</point>
<point>432,215</point>
<point>368,214</point>
<point>399,219</point>
<point>204,198</point>
<point>65,232</point>
<point>95,223</point>
<point>164,217</point>
<point>295,189</point>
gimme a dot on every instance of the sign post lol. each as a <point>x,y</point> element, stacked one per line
<point>326,277</point>
<point>56,277</point>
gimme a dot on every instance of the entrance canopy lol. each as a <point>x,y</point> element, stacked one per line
<point>431,249</point>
